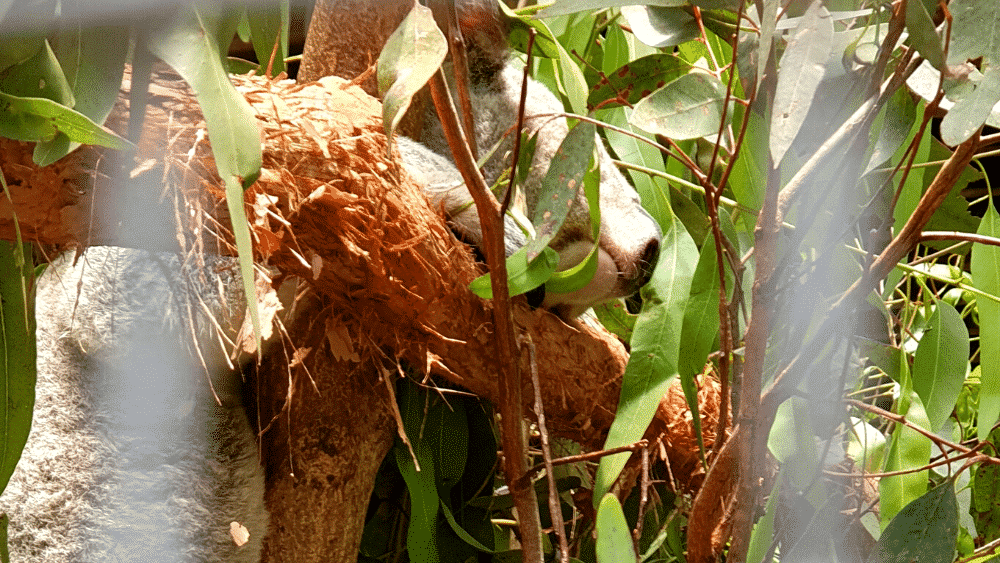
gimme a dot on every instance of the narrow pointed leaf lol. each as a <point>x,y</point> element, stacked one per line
<point>413,53</point>
<point>801,70</point>
<point>614,542</point>
<point>986,275</point>
<point>940,363</point>
<point>655,349</point>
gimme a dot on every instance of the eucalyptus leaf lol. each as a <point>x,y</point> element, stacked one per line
<point>687,108</point>
<point>566,7</point>
<point>269,25</point>
<point>38,119</point>
<point>614,542</point>
<point>411,56</point>
<point>922,34</point>
<point>652,365</point>
<point>17,354</point>
<point>522,276</point>
<point>637,79</point>
<point>923,532</point>
<point>986,275</point>
<point>801,70</point>
<point>561,185</point>
<point>940,363</point>
<point>661,27</point>
<point>188,41</point>
<point>908,450</point>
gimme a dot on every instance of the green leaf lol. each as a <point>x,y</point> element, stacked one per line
<point>566,7</point>
<point>908,449</point>
<point>637,79</point>
<point>17,354</point>
<point>411,56</point>
<point>522,276</point>
<point>578,276</point>
<point>188,40</point>
<point>269,24</point>
<point>763,531</point>
<point>616,318</point>
<point>614,542</point>
<point>687,108</point>
<point>655,344</point>
<point>562,185</point>
<point>701,317</point>
<point>801,70</point>
<point>661,27</point>
<point>975,33</point>
<point>923,36</point>
<point>923,532</point>
<point>940,363</point>
<point>38,119</point>
<point>38,77</point>
<point>986,275</point>
<point>93,61</point>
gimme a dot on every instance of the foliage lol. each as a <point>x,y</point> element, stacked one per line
<point>818,245</point>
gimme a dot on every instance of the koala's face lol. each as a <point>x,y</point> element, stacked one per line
<point>630,238</point>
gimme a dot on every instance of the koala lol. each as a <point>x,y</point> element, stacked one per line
<point>140,449</point>
<point>630,238</point>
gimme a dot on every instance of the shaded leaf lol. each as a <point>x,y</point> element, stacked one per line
<point>268,25</point>
<point>922,34</point>
<point>578,276</point>
<point>17,354</point>
<point>986,275</point>
<point>687,108</point>
<point>923,532</point>
<point>908,449</point>
<point>413,53</point>
<point>940,362</point>
<point>801,70</point>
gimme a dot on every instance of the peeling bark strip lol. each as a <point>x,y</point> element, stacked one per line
<point>391,281</point>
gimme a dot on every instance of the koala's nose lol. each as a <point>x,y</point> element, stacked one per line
<point>647,262</point>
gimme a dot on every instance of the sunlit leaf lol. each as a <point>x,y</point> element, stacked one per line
<point>687,108</point>
<point>637,79</point>
<point>562,184</point>
<point>614,542</point>
<point>661,27</point>
<point>413,53</point>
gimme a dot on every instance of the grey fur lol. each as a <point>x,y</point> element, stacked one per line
<point>130,458</point>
